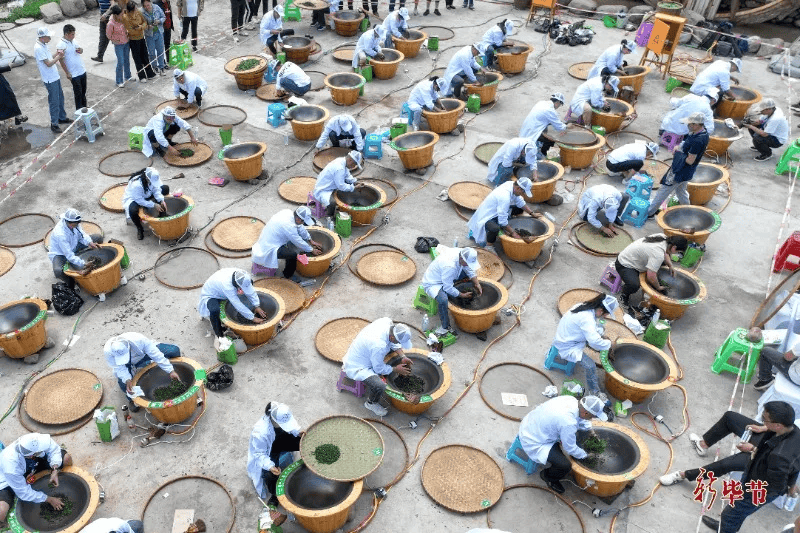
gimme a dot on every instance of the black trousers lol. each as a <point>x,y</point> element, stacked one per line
<point>79,90</point>
<point>167,42</point>
<point>630,279</point>
<point>391,4</point>
<point>765,144</point>
<point>336,139</point>
<point>284,442</point>
<point>731,422</point>
<point>216,322</point>
<point>141,59</point>
<point>239,9</point>
<point>103,44</point>
<point>133,209</point>
<point>171,131</point>
<point>318,16</point>
<point>493,227</point>
<point>546,143</point>
<point>185,24</point>
<point>272,38</point>
<point>289,253</point>
<point>624,166</point>
<point>559,465</point>
<point>771,357</point>
<point>198,96</point>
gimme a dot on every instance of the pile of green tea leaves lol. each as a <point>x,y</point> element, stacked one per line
<point>327,454</point>
<point>247,64</point>
<point>173,390</point>
<point>410,384</point>
<point>595,447</point>
<point>186,152</point>
<point>49,514</point>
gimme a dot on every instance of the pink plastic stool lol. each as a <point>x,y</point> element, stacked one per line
<point>317,209</point>
<point>569,114</point>
<point>257,269</point>
<point>670,140</point>
<point>789,248</point>
<point>611,278</point>
<point>350,385</point>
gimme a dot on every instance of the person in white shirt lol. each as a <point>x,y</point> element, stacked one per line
<point>189,11</point>
<point>493,213</point>
<point>629,158</point>
<point>229,284</point>
<point>52,82</point>
<point>188,86</point>
<point>290,78</point>
<point>426,95</point>
<point>558,420</point>
<point>342,130</point>
<point>591,94</point>
<point>463,65</point>
<point>771,131</point>
<point>368,45</point>
<point>378,351</point>
<point>285,237</point>
<point>612,60</point>
<point>130,352</point>
<point>601,206</point>
<point>114,525</point>
<point>684,107</point>
<point>396,24</point>
<point>718,76</point>
<point>450,265</point>
<point>271,28</point>
<point>29,454</point>
<point>72,64</point>
<point>336,176</point>
<point>494,38</point>
<point>159,131</point>
<point>514,154</point>
<point>145,190</point>
<point>542,115</point>
<point>66,240</point>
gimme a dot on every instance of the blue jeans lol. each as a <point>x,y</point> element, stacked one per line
<point>503,175</point>
<point>592,386</point>
<point>292,87</point>
<point>170,351</point>
<point>123,62</point>
<point>441,301</point>
<point>733,517</point>
<point>155,49</point>
<point>55,99</point>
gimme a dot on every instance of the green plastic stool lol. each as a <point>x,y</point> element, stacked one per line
<point>424,302</point>
<point>365,71</point>
<point>433,43</point>
<point>291,12</point>
<point>473,103</point>
<point>135,137</point>
<point>792,152</point>
<point>737,343</point>
<point>180,55</point>
<point>609,21</point>
<point>398,129</point>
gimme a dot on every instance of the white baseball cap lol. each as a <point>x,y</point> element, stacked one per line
<point>559,97</point>
<point>356,156</point>
<point>508,27</point>
<point>594,405</point>
<point>278,9</point>
<point>694,118</point>
<point>242,279</point>
<point>440,84</point>
<point>403,335</point>
<point>304,213</point>
<point>119,349</point>
<point>614,82</point>
<point>44,31</point>
<point>470,256</point>
<point>281,415</point>
<point>738,62</point>
<point>72,215</point>
<point>713,92</point>
<point>525,184</point>
<point>630,46</point>
<point>177,73</point>
<point>610,303</point>
<point>168,111</point>
<point>403,12</point>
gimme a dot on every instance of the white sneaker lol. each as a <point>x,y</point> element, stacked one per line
<point>120,85</point>
<point>376,408</point>
<point>101,297</point>
<point>671,478</point>
<point>243,34</point>
<point>143,80</point>
<point>441,331</point>
<point>695,440</point>
<point>123,280</point>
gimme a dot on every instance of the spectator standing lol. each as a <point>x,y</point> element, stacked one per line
<point>153,35</point>
<point>8,100</point>
<point>166,7</point>
<point>52,82</point>
<point>118,35</point>
<point>136,24</point>
<point>73,66</point>
<point>189,11</point>
<point>105,13</point>
<point>239,12</point>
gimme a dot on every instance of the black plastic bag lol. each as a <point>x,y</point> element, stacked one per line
<point>220,379</point>
<point>424,244</point>
<point>65,300</point>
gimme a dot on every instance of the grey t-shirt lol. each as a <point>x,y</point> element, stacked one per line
<point>642,256</point>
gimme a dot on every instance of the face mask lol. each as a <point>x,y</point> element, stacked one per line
<point>395,345</point>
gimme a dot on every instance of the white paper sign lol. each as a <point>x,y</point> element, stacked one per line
<point>517,400</point>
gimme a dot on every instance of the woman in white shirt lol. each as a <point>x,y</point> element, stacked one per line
<point>189,11</point>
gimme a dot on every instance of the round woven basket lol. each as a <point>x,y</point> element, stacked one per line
<point>362,215</point>
<point>700,236</point>
<point>543,190</point>
<point>579,157</point>
<point>485,152</point>
<point>123,163</point>
<point>386,267</point>
<point>492,266</point>
<point>410,47</point>
<point>580,71</point>
<point>344,95</point>
<point>335,337</point>
<point>28,338</point>
<point>514,63</point>
<point>256,334</point>
<point>468,194</point>
<point>291,293</point>
<point>624,387</point>
<point>613,330</point>
<point>575,296</point>
<point>591,239</point>
<point>346,24</point>
<point>297,189</point>
<point>63,396</point>
<point>111,198</point>
<point>344,54</point>
<point>182,108</point>
<point>100,280</point>
<point>623,137</point>
<point>297,54</point>
<point>445,121</point>
<point>611,121</point>
<point>237,234</point>
<point>521,251</point>
<point>269,93</point>
<point>246,168</point>
<point>478,321</point>
<point>487,91</point>
<point>178,409</point>
<point>202,153</point>
<point>169,227</point>
<point>462,478</point>
<point>361,447</point>
<point>319,264</point>
<point>247,79</point>
<point>417,157</point>
<point>672,309</point>
<point>702,192</point>
<point>655,169</point>
<point>310,131</point>
<point>386,69</point>
<point>24,229</point>
<point>218,116</point>
<point>426,401</point>
<point>737,109</point>
<point>7,260</point>
<point>635,80</point>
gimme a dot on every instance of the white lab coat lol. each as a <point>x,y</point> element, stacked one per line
<point>423,96</point>
<point>139,347</point>
<point>493,36</point>
<point>541,115</point>
<point>191,82</point>
<point>510,152</point>
<point>599,198</point>
<point>635,151</point>
<point>365,356</point>
<point>462,62</point>
<point>12,464</point>
<point>589,91</point>
<point>394,24</point>
<point>443,271</point>
<point>64,241</point>
<point>342,124</point>
<point>158,125</point>
<point>269,23</point>
<point>290,71</point>
<point>612,58</point>
<point>220,286</point>
<point>555,420</point>
<point>682,108</point>
<point>717,74</point>
<point>261,440</point>
<point>778,126</point>
<point>134,192</point>
<point>574,331</point>
<point>104,525</point>
<point>369,43</point>
<point>334,177</point>
<point>497,204</point>
<point>280,229</point>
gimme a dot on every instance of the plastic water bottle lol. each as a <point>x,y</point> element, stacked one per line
<point>330,224</point>
<point>286,140</point>
<point>656,316</point>
<point>746,436</point>
<point>455,242</point>
<point>426,322</point>
<point>790,503</point>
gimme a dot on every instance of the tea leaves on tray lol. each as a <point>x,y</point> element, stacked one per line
<point>247,64</point>
<point>173,390</point>
<point>186,152</point>
<point>49,514</point>
<point>595,447</point>
<point>327,454</point>
<point>410,384</point>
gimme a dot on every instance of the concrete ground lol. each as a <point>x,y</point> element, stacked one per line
<point>288,369</point>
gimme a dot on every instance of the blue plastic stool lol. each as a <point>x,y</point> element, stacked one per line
<point>83,123</point>
<point>406,112</point>
<point>550,362</point>
<point>516,454</point>
<point>636,212</point>
<point>275,114</point>
<point>373,147</point>
<point>350,385</point>
<point>640,186</point>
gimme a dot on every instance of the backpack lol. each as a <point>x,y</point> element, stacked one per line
<point>65,300</point>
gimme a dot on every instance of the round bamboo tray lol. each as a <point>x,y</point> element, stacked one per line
<point>297,48</point>
<point>255,334</point>
<point>677,218</point>
<point>737,109</point>
<point>75,483</point>
<point>518,249</point>
<point>237,233</point>
<point>247,79</point>
<point>63,397</point>
<point>361,215</point>
<point>410,47</point>
<point>344,87</point>
<point>513,62</point>
<point>612,121</point>
<point>111,198</point>
<point>487,91</point>
<point>245,161</point>
<point>722,138</point>
<point>202,153</point>
<point>576,296</point>
<point>579,157</point>
<point>703,186</point>
<point>468,194</point>
<point>580,71</point>
<point>312,123</point>
<point>178,409</point>
<point>346,23</point>
<point>430,372</point>
<point>173,225</point>
<point>386,68</point>
<point>478,321</point>
<point>445,121</point>
<point>182,108</point>
<point>22,328</point>
<point>25,229</point>
<point>635,79</point>
<point>549,174</point>
<point>296,190</point>
<point>415,149</point>
<point>104,279</point>
<point>7,260</point>
<point>301,492</point>
<point>334,338</point>
<point>637,370</point>
<point>319,264</point>
<point>673,308</point>
<point>292,294</point>
<point>670,8</point>
<point>462,478</point>
<point>626,445</point>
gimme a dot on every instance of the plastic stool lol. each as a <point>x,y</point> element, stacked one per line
<point>792,151</point>
<point>790,248</point>
<point>317,209</point>
<point>83,124</point>
<point>611,278</point>
<point>350,385</point>
<point>425,302</point>
<point>670,140</point>
<point>270,75</point>
<point>135,137</point>
<point>275,114</point>
<point>636,212</point>
<point>406,112</point>
<point>373,147</point>
<point>550,362</point>
<point>737,343</point>
<point>640,186</point>
<point>257,270</point>
<point>291,12</point>
<point>516,454</point>
<point>643,34</point>
<point>672,84</point>
<point>180,55</point>
<point>569,114</point>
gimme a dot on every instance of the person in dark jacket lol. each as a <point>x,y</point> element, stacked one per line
<point>772,456</point>
<point>8,100</point>
<point>167,9</point>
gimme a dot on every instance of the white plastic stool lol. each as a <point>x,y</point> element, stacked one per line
<point>83,123</point>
